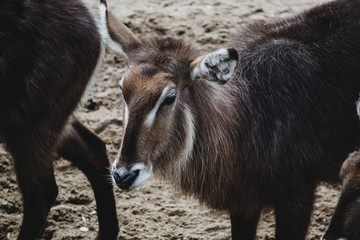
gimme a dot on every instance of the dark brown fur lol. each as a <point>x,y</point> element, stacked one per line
<point>284,123</point>
<point>48,52</point>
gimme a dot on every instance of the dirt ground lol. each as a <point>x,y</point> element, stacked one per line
<point>155,210</point>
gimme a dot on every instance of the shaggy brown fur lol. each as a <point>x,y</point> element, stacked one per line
<point>282,124</point>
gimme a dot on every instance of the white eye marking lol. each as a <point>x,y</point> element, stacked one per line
<point>151,116</point>
<point>190,136</point>
<point>126,114</point>
<point>121,82</point>
<point>187,149</point>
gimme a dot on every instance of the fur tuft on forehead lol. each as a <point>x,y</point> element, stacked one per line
<point>149,71</point>
<point>146,79</point>
<point>167,54</point>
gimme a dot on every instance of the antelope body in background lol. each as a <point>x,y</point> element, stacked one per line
<point>49,51</point>
<point>283,122</point>
<point>345,222</point>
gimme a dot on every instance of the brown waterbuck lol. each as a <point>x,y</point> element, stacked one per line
<point>345,223</point>
<point>283,122</point>
<point>49,51</point>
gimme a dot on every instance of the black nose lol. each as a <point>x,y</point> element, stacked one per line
<point>125,179</point>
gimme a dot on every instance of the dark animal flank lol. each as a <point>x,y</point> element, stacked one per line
<point>284,121</point>
<point>49,40</point>
<point>49,51</point>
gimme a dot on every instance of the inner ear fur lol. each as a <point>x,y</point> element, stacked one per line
<point>118,37</point>
<point>218,66</point>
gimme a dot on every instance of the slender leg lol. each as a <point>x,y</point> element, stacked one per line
<point>244,229</point>
<point>33,158</point>
<point>336,227</point>
<point>293,216</point>
<point>88,152</point>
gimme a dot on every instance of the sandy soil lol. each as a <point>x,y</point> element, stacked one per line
<point>154,211</point>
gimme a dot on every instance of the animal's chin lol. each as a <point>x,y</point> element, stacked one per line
<point>142,177</point>
<point>133,178</point>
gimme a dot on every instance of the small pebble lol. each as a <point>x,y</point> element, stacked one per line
<point>84,229</point>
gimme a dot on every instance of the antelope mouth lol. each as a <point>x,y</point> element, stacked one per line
<point>133,178</point>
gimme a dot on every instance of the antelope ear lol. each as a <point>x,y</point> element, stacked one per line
<point>115,34</point>
<point>218,66</point>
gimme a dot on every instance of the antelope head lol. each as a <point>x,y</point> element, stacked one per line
<point>158,123</point>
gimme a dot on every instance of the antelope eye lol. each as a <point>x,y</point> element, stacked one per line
<point>169,99</point>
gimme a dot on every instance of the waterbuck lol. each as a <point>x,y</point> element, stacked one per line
<point>49,51</point>
<point>345,222</point>
<point>283,122</point>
